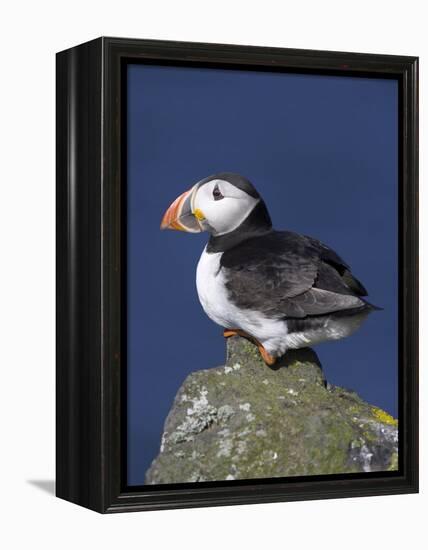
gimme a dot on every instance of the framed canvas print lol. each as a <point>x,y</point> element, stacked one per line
<point>236,275</point>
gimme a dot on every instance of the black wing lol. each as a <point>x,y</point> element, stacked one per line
<point>329,256</point>
<point>284,274</point>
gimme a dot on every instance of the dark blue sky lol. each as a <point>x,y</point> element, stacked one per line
<point>321,150</point>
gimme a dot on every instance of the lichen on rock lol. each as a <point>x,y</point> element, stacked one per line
<point>245,421</point>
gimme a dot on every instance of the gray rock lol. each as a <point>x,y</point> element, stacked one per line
<point>245,420</point>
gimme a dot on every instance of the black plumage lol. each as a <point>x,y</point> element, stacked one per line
<point>286,275</point>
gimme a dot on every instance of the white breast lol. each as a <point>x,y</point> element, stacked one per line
<point>213,295</point>
<point>212,291</point>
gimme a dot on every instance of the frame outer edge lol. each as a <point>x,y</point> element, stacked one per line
<point>89,459</point>
<point>79,431</point>
<point>412,274</point>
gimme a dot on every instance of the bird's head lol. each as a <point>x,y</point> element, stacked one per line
<point>218,204</point>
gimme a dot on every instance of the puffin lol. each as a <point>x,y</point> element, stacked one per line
<point>279,289</point>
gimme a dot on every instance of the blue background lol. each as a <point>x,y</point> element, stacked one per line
<point>321,150</point>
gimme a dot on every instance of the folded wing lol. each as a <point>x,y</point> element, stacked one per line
<point>284,274</point>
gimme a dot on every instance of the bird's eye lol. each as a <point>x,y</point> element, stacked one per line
<point>217,193</point>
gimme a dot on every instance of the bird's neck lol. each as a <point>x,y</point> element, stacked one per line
<point>257,223</point>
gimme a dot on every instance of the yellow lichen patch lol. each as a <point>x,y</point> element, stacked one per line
<point>384,417</point>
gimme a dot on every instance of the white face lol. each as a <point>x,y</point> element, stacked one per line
<point>221,207</point>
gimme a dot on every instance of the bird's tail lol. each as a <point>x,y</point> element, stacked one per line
<point>370,306</point>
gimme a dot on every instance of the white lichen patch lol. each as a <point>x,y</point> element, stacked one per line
<point>265,382</point>
<point>367,456</point>
<point>390,433</point>
<point>292,392</point>
<point>163,441</point>
<point>362,454</point>
<point>241,447</point>
<point>199,404</point>
<point>250,417</point>
<point>236,366</point>
<point>198,417</point>
<point>387,432</point>
<point>245,406</point>
<point>230,477</point>
<point>225,448</point>
<point>227,370</point>
<point>224,413</point>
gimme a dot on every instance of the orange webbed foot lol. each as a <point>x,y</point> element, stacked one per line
<point>266,356</point>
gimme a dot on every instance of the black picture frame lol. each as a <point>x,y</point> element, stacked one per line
<point>91,305</point>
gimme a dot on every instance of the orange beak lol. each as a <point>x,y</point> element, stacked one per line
<point>180,215</point>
